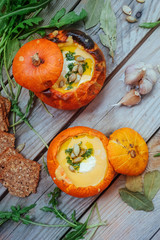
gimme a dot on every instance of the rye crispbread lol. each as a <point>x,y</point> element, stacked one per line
<point>3,121</point>
<point>21,176</point>
<point>4,159</point>
<point>6,140</point>
<point>7,104</point>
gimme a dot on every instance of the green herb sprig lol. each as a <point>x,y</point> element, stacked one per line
<point>78,229</point>
<point>17,24</point>
<point>150,24</point>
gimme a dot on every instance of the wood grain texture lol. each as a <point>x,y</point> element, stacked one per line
<point>94,116</point>
<point>124,222</point>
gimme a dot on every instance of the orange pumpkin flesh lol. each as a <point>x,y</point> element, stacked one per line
<point>127,152</point>
<point>94,173</point>
<point>84,91</point>
<point>37,65</point>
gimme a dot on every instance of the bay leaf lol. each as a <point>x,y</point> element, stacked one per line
<point>151,184</point>
<point>108,24</point>
<point>94,9</point>
<point>134,183</point>
<point>136,200</point>
<point>11,50</point>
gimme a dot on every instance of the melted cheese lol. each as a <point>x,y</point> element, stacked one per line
<point>92,170</point>
<point>87,75</point>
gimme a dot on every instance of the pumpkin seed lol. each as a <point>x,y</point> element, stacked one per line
<point>71,168</point>
<point>78,159</point>
<point>78,78</point>
<point>20,147</point>
<point>55,33</point>
<point>73,155</point>
<point>127,10</point>
<point>82,152</point>
<point>79,58</point>
<point>140,1</point>
<point>75,68</point>
<point>80,69</point>
<point>131,19</point>
<point>76,149</point>
<point>61,83</point>
<point>72,77</point>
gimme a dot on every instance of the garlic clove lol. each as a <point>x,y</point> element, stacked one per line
<point>134,73</point>
<point>151,75</point>
<point>131,98</point>
<point>145,86</point>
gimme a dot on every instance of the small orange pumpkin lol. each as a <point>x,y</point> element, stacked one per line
<point>127,152</point>
<point>69,96</point>
<point>77,161</point>
<point>37,65</point>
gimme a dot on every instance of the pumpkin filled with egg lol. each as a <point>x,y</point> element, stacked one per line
<point>66,69</point>
<point>77,161</point>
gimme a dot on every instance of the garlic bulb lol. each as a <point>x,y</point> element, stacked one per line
<point>134,73</point>
<point>150,78</point>
<point>145,86</point>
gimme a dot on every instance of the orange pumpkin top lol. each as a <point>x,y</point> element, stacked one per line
<point>127,152</point>
<point>37,65</point>
<point>78,163</point>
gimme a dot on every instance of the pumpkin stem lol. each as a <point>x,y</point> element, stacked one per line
<point>36,60</point>
<point>133,154</point>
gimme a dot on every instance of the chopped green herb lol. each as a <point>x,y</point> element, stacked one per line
<point>69,56</point>
<point>157,155</point>
<point>88,153</point>
<point>69,150</point>
<point>85,66</point>
<point>70,66</point>
<point>69,87</point>
<point>75,165</point>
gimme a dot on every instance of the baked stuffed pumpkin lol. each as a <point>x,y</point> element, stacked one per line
<point>70,87</point>
<point>77,161</point>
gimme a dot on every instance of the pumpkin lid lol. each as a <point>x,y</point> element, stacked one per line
<point>37,65</point>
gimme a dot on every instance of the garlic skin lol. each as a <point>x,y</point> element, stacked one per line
<point>134,73</point>
<point>150,78</point>
<point>145,86</point>
<point>130,99</point>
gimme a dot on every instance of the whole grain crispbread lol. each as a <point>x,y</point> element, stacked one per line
<point>21,176</point>
<point>4,159</point>
<point>3,118</point>
<point>7,103</point>
<point>6,140</point>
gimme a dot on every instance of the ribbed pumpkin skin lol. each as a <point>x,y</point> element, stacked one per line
<point>87,91</point>
<point>53,164</point>
<point>42,77</point>
<point>127,152</point>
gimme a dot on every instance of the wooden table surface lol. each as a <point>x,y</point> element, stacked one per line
<point>134,44</point>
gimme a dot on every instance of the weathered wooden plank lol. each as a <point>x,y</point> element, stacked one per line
<point>124,222</point>
<point>90,118</point>
<point>156,236</point>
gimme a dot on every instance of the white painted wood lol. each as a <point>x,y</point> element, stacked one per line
<point>157,236</point>
<point>40,120</point>
<point>124,222</point>
<point>106,118</point>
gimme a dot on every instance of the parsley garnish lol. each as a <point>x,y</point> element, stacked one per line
<point>85,66</point>
<point>69,150</point>
<point>69,87</point>
<point>88,153</point>
<point>69,56</point>
<point>70,66</point>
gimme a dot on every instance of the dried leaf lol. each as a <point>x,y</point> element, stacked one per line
<point>151,184</point>
<point>134,183</point>
<point>93,16</point>
<point>108,24</point>
<point>136,200</point>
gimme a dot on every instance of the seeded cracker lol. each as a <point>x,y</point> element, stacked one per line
<point>7,104</point>
<point>21,176</point>
<point>6,140</point>
<point>4,159</point>
<point>3,122</point>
